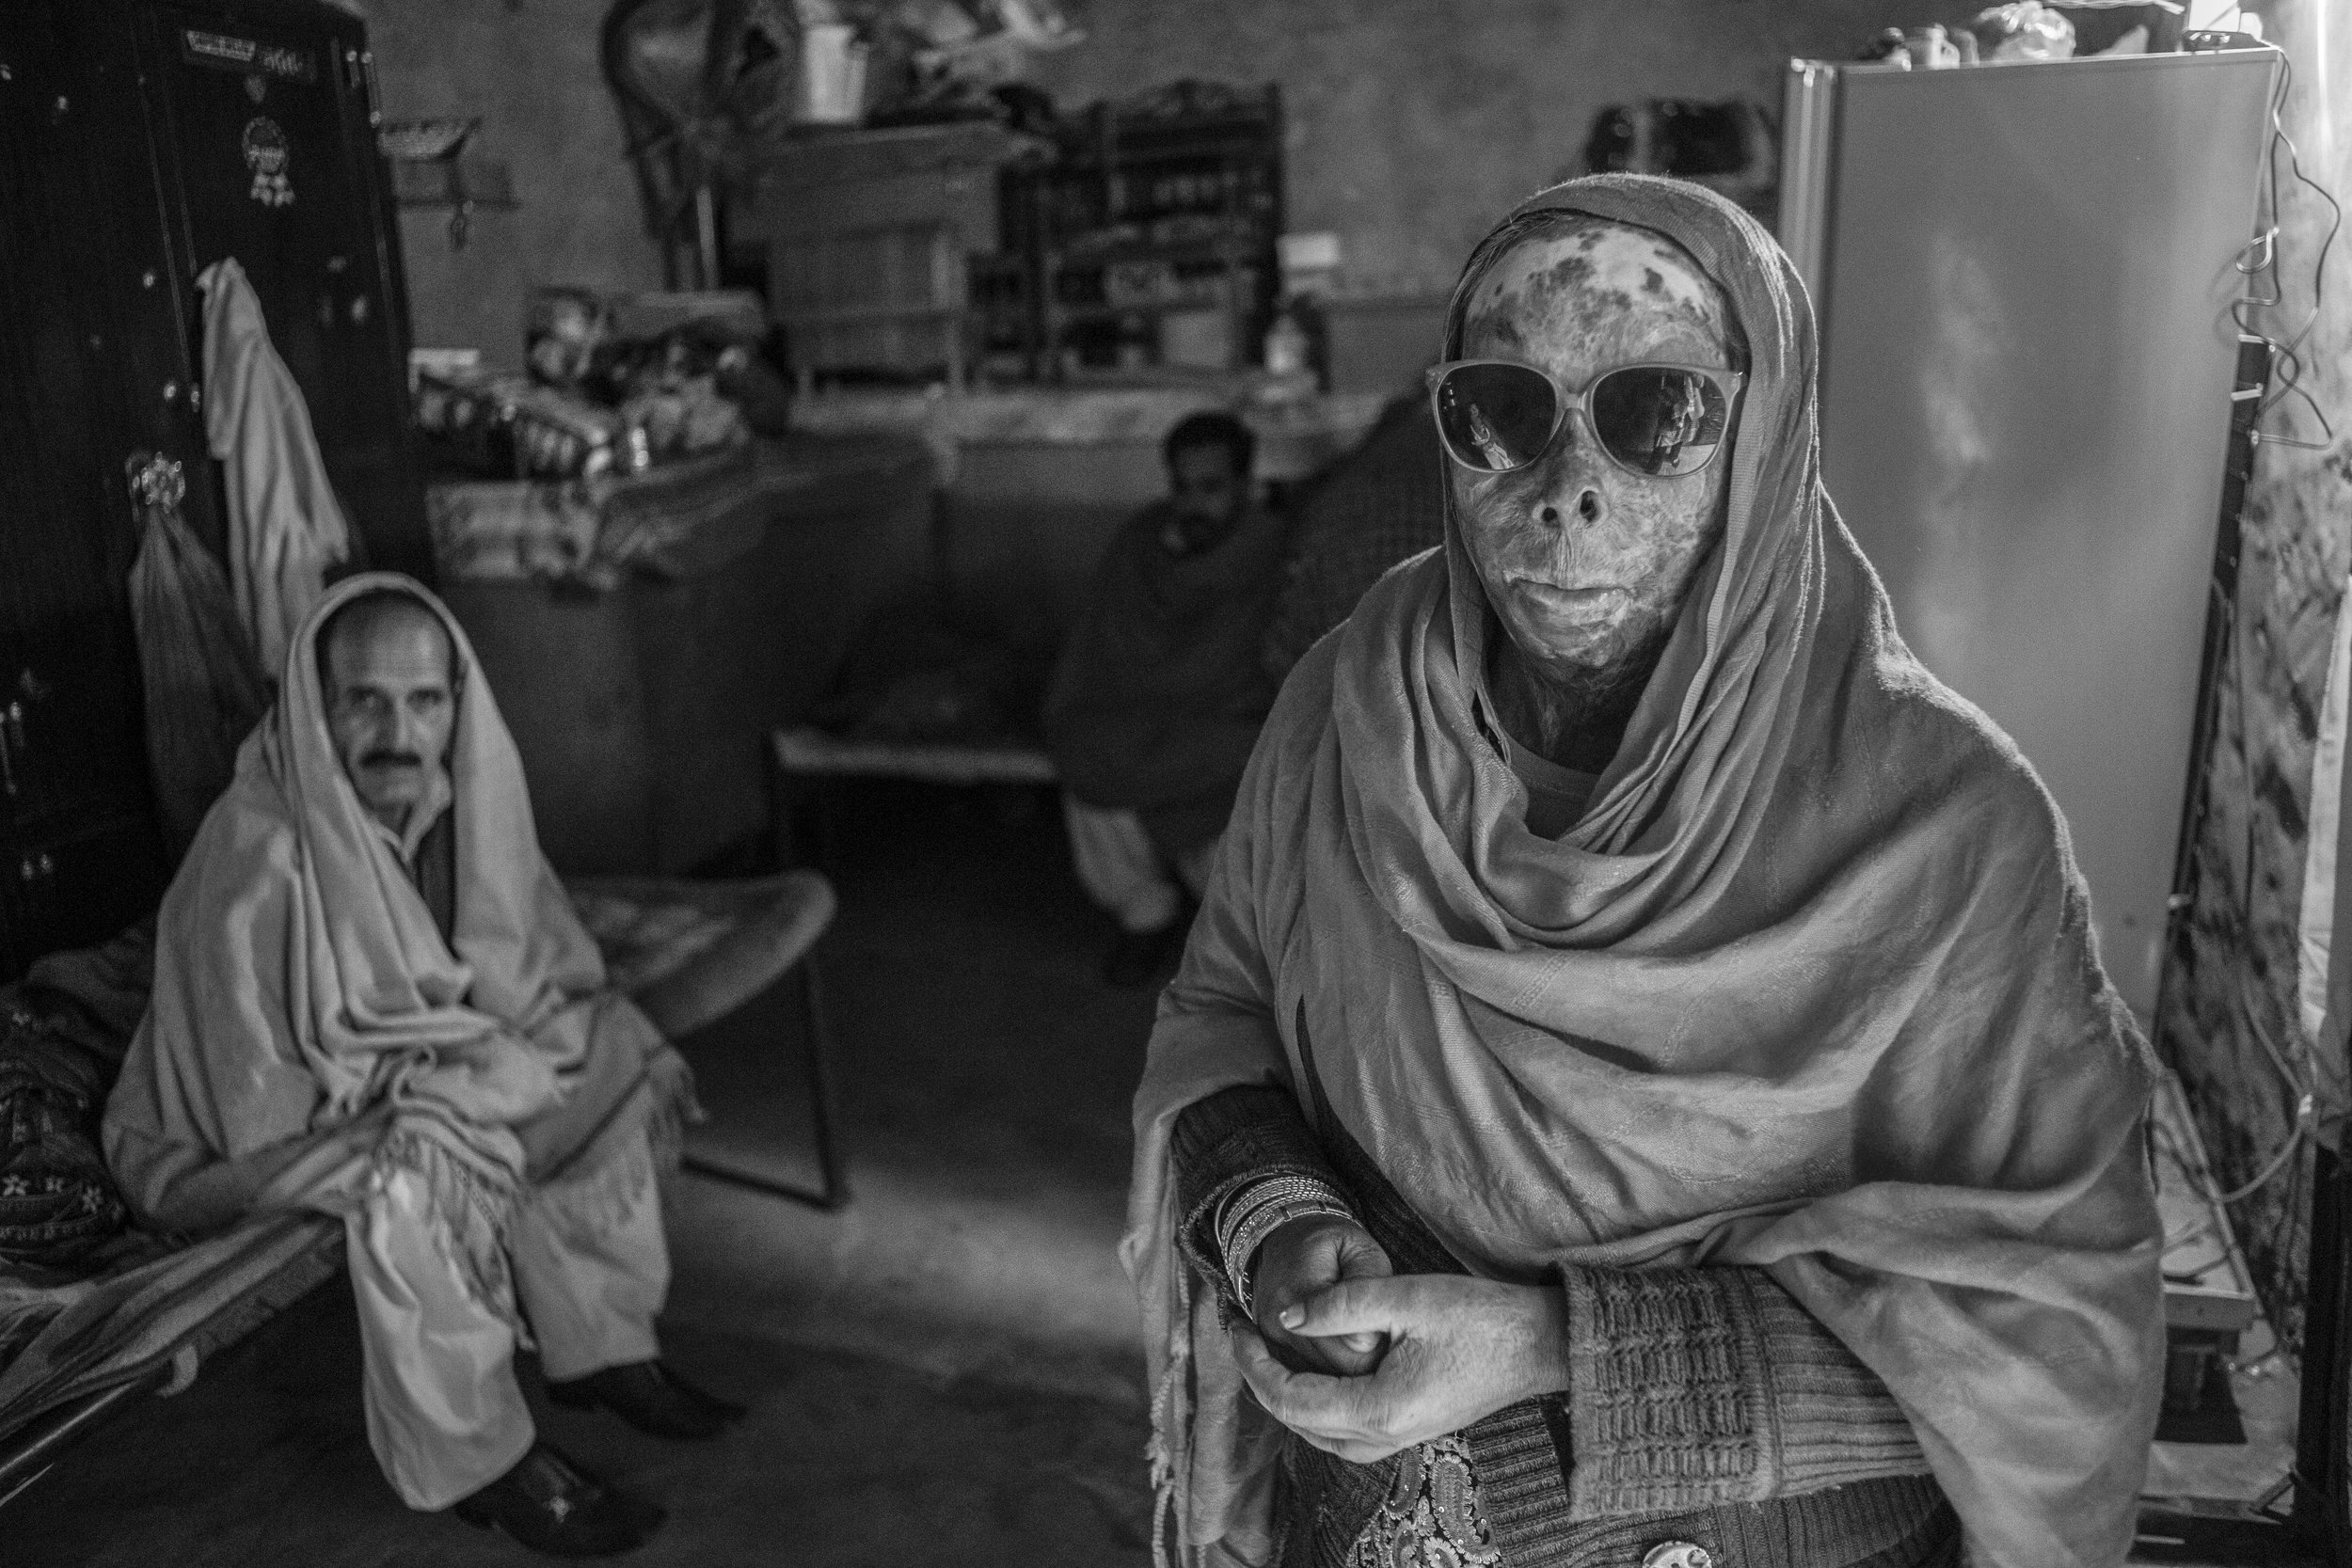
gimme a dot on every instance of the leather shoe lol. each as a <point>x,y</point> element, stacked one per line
<point>551,1505</point>
<point>651,1397</point>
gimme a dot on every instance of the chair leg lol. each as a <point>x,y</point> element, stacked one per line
<point>833,1190</point>
<point>824,1114</point>
<point>789,817</point>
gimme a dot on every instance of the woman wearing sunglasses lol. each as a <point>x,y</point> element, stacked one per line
<point>1641,1088</point>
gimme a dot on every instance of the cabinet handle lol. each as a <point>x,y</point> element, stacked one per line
<point>38,872</point>
<point>359,76</point>
<point>11,743</point>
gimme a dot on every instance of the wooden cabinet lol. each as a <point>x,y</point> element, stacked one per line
<point>132,154</point>
<point>261,119</point>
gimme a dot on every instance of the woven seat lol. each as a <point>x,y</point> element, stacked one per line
<point>694,953</point>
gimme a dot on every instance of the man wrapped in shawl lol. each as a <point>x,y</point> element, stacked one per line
<point>1158,694</point>
<point>1641,1088</point>
<point>372,999</point>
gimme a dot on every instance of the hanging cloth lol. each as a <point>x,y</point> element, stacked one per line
<point>285,528</point>
<point>204,693</point>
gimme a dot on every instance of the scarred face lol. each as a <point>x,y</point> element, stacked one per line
<point>1586,563</point>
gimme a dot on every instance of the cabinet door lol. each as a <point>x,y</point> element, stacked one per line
<point>73,759</point>
<point>262,109</point>
<point>78,889</point>
<point>69,717</point>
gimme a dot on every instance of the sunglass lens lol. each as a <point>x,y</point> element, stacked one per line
<point>1656,421</point>
<point>1496,417</point>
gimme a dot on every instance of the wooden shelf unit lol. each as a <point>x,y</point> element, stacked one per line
<point>1164,206</point>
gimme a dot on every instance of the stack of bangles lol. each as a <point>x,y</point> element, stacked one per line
<point>1256,1210</point>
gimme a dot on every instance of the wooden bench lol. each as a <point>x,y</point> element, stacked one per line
<point>807,759</point>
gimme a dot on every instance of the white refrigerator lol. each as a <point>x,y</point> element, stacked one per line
<point>2023,274</point>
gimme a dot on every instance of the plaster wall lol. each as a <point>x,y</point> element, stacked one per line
<point>1412,125</point>
<point>528,68</point>
<point>2230,999</point>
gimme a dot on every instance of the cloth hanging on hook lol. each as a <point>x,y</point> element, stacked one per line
<point>204,693</point>
<point>286,530</point>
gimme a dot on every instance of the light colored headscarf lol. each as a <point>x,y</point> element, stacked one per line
<point>310,1024</point>
<point>1811,987</point>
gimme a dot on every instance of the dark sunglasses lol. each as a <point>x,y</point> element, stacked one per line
<point>1666,421</point>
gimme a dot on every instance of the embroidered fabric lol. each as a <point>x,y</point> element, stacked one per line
<point>1432,1517</point>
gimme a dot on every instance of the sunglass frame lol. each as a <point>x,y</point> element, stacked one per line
<point>1731,383</point>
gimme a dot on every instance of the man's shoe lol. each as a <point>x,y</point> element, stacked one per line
<point>1137,956</point>
<point>551,1505</point>
<point>651,1397</point>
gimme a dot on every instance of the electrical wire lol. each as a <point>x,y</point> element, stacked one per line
<point>2260,256</point>
<point>2298,1076</point>
<point>2288,369</point>
<point>2287,361</point>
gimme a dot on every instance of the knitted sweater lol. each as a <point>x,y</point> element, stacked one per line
<point>1703,1405</point>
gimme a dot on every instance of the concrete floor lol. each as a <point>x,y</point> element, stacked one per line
<point>943,1372</point>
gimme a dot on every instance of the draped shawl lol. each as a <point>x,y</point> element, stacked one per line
<point>1159,692</point>
<point>1812,987</point>
<point>311,1027</point>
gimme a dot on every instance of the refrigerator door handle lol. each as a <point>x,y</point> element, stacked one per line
<point>1807,165</point>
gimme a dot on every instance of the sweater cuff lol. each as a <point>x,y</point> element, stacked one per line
<point>1667,1399</point>
<point>1691,1388</point>
<point>1835,1421</point>
<point>1230,1140</point>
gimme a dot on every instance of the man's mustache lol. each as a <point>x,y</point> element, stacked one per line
<point>395,759</point>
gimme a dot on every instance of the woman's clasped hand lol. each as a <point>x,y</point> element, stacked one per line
<point>1362,1362</point>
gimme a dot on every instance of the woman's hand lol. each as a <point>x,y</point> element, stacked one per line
<point>1460,1349</point>
<point>1301,1258</point>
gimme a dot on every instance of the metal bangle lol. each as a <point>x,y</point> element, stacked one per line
<point>1247,1200</point>
<point>1239,1263</point>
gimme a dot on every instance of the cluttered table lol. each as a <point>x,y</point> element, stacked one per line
<point>1297,434</point>
<point>645,632</point>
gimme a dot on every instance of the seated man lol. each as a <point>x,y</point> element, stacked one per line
<point>372,999</point>
<point>1159,692</point>
<point>1640,1087</point>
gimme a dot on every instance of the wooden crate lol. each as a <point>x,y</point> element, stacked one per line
<point>870,235</point>
<point>2208,1291</point>
<point>2206,1283</point>
<point>888,297</point>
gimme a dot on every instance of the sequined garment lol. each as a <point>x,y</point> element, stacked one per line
<point>1431,1517</point>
